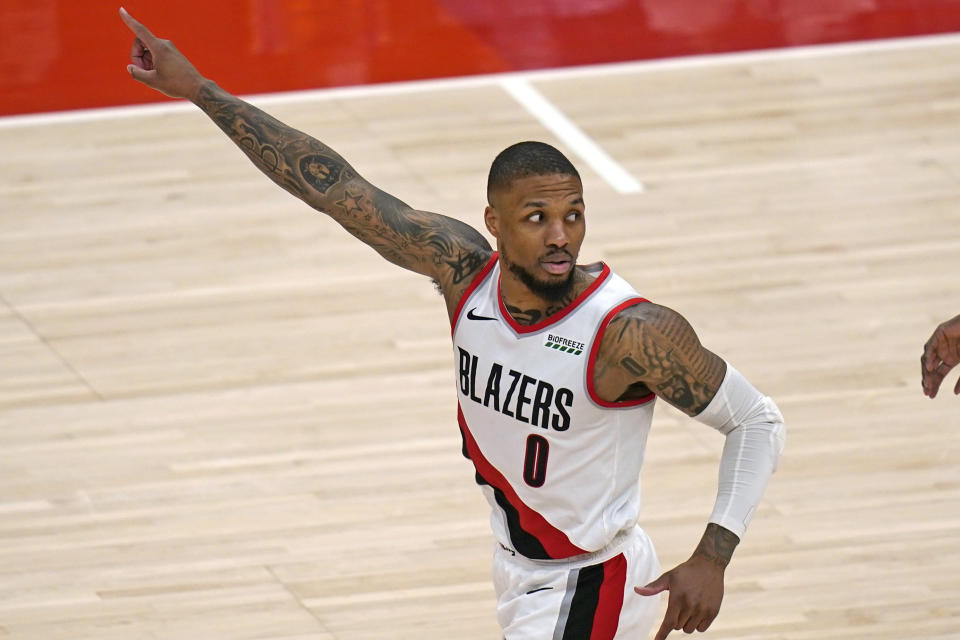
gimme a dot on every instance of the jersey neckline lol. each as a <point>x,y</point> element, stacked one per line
<point>557,316</point>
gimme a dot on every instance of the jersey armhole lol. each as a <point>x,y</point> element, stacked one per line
<point>592,359</point>
<point>477,280</point>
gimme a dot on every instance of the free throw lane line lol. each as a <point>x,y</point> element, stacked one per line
<point>571,135</point>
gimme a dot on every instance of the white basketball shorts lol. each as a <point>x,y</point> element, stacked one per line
<point>588,597</point>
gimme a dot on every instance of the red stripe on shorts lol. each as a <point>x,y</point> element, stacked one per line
<point>610,602</point>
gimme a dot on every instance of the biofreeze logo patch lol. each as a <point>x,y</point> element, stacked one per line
<point>564,345</point>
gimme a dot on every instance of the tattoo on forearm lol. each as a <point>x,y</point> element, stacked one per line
<point>315,173</point>
<point>259,136</point>
<point>351,204</point>
<point>295,161</point>
<point>320,172</point>
<point>717,545</point>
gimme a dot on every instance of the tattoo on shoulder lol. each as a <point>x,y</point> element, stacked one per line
<point>658,347</point>
<point>465,265</point>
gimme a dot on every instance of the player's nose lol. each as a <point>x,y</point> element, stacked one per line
<point>556,235</point>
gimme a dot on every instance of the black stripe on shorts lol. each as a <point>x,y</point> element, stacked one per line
<point>583,606</point>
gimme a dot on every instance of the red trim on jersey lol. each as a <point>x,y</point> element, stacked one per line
<point>470,289</point>
<point>554,541</point>
<point>607,615</point>
<point>559,315</point>
<point>591,362</point>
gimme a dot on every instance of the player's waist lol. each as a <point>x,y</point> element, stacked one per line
<point>609,550</point>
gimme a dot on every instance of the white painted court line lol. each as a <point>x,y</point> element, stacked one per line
<point>446,84</point>
<point>572,136</point>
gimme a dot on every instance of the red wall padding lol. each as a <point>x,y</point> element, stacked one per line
<point>68,54</point>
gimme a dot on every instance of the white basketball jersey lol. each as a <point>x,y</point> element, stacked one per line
<point>559,465</point>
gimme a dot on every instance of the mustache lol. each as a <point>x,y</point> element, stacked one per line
<point>556,256</point>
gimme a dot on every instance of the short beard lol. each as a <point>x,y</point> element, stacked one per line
<point>548,291</point>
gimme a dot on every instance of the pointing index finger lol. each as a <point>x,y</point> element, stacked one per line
<point>138,29</point>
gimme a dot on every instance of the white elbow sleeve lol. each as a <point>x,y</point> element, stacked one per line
<point>755,435</point>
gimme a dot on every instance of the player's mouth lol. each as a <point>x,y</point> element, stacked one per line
<point>557,264</point>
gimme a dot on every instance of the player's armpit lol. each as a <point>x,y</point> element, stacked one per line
<point>655,346</point>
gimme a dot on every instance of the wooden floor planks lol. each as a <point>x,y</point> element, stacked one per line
<point>221,417</point>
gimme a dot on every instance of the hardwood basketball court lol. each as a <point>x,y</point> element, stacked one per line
<point>222,417</point>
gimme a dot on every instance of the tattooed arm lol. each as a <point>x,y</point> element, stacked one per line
<point>651,348</point>
<point>442,248</point>
<point>428,243</point>
<point>647,348</point>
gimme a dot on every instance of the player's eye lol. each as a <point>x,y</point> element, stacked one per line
<point>573,216</point>
<point>535,217</point>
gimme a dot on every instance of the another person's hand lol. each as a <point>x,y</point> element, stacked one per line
<point>157,63</point>
<point>696,591</point>
<point>941,353</point>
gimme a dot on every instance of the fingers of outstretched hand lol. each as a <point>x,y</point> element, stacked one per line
<point>930,380</point>
<point>141,55</point>
<point>936,350</point>
<point>698,620</point>
<point>143,75</point>
<point>138,29</point>
<point>659,585</point>
<point>937,361</point>
<point>706,622</point>
<point>688,615</point>
<point>686,619</point>
<point>686,611</point>
<point>669,623</point>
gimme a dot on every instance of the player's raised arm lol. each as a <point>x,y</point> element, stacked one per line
<point>648,347</point>
<point>428,243</point>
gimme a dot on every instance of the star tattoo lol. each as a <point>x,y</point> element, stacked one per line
<point>351,203</point>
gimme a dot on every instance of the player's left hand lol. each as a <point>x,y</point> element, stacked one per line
<point>695,592</point>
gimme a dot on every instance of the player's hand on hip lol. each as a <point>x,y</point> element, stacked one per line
<point>695,593</point>
<point>157,63</point>
<point>941,353</point>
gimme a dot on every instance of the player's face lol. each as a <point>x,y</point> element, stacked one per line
<point>539,226</point>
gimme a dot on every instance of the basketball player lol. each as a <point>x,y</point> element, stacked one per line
<point>557,368</point>
<point>941,353</point>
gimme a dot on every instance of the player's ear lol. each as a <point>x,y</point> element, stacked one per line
<point>492,219</point>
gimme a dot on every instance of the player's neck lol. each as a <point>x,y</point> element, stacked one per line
<point>527,307</point>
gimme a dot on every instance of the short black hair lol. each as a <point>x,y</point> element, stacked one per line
<point>525,159</point>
